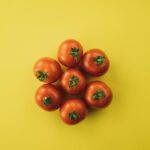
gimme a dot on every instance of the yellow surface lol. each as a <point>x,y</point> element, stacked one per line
<point>30,29</point>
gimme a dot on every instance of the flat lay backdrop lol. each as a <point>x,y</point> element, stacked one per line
<point>30,29</point>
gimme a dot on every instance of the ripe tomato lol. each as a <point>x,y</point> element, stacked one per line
<point>95,62</point>
<point>98,94</point>
<point>73,82</point>
<point>47,70</point>
<point>73,111</point>
<point>70,53</point>
<point>48,97</point>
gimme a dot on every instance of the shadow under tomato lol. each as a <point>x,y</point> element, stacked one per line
<point>93,112</point>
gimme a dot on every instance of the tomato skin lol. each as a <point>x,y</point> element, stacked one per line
<point>66,79</point>
<point>104,94</point>
<point>53,95</point>
<point>93,67</point>
<point>70,53</point>
<point>74,105</point>
<point>47,70</point>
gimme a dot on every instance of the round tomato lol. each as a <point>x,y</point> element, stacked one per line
<point>73,82</point>
<point>70,53</point>
<point>47,70</point>
<point>95,62</point>
<point>73,111</point>
<point>98,94</point>
<point>48,97</point>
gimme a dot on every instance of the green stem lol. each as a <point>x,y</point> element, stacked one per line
<point>73,115</point>
<point>47,101</point>
<point>99,60</point>
<point>75,52</point>
<point>41,75</point>
<point>73,81</point>
<point>98,95</point>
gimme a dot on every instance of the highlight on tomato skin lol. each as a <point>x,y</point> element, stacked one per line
<point>48,97</point>
<point>70,53</point>
<point>73,81</point>
<point>47,70</point>
<point>95,62</point>
<point>73,111</point>
<point>98,95</point>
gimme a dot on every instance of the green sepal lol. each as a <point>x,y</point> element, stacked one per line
<point>41,75</point>
<point>73,81</point>
<point>73,115</point>
<point>99,60</point>
<point>47,101</point>
<point>98,95</point>
<point>75,52</point>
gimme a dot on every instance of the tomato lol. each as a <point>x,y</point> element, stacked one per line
<point>73,81</point>
<point>98,94</point>
<point>48,97</point>
<point>47,70</point>
<point>70,53</point>
<point>73,111</point>
<point>95,62</point>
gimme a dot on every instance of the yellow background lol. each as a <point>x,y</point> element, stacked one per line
<point>30,29</point>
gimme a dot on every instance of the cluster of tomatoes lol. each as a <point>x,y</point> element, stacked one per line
<point>72,94</point>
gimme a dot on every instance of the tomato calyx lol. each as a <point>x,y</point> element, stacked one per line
<point>41,75</point>
<point>99,60</point>
<point>99,94</point>
<point>75,52</point>
<point>47,101</point>
<point>73,115</point>
<point>73,81</point>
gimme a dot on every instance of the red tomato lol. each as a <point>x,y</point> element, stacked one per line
<point>98,94</point>
<point>73,111</point>
<point>47,70</point>
<point>95,62</point>
<point>48,97</point>
<point>73,82</point>
<point>70,53</point>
